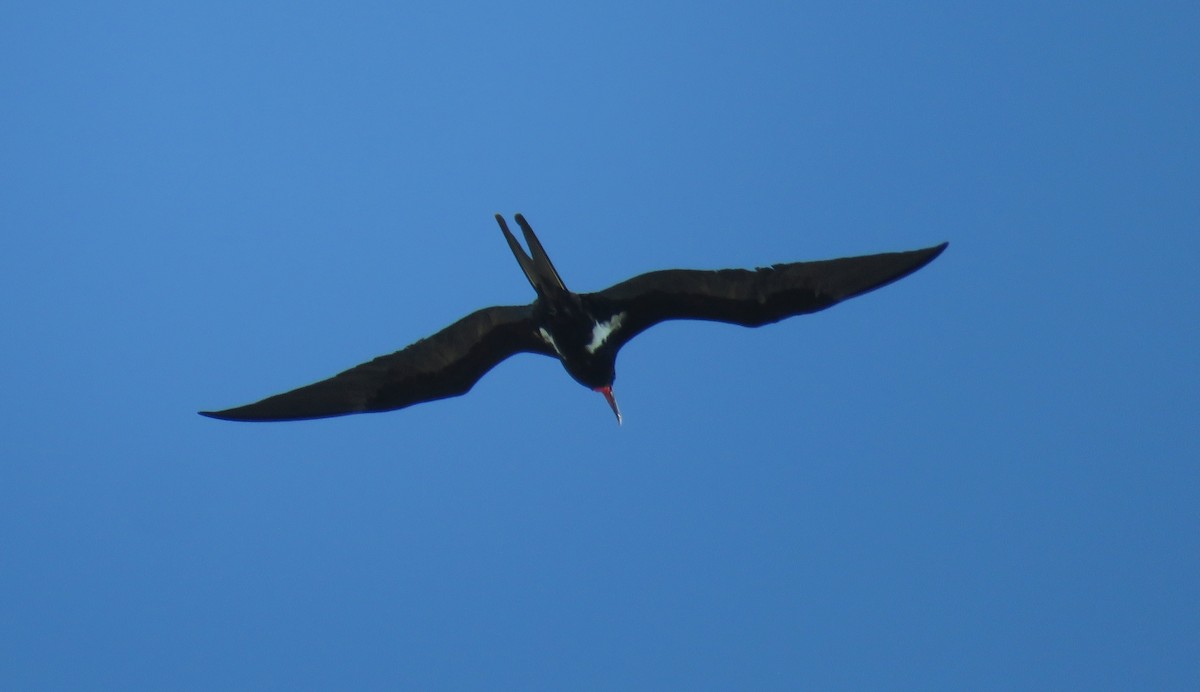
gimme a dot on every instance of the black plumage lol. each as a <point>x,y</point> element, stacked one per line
<point>583,330</point>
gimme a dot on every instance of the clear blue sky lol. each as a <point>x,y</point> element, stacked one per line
<point>982,477</point>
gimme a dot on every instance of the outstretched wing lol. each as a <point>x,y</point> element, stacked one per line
<point>747,297</point>
<point>446,364</point>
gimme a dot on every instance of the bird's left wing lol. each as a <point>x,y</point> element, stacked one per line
<point>444,365</point>
<point>747,297</point>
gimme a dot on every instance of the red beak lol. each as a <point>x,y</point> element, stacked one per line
<point>606,390</point>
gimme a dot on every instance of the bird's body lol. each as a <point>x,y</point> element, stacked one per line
<point>583,330</point>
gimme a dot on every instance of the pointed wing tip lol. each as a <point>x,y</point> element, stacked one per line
<point>929,254</point>
<point>936,250</point>
<point>920,259</point>
<point>242,415</point>
<point>220,415</point>
<point>271,410</point>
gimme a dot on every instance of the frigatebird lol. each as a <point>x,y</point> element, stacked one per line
<point>583,330</point>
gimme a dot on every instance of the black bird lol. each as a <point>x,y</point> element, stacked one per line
<point>583,330</point>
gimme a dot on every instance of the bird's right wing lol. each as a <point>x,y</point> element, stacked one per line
<point>751,298</point>
<point>444,365</point>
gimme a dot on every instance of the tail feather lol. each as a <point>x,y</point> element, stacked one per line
<point>522,258</point>
<point>539,270</point>
<point>541,261</point>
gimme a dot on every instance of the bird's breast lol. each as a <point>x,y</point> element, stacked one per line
<point>601,331</point>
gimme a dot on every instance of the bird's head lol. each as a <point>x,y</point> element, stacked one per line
<point>597,374</point>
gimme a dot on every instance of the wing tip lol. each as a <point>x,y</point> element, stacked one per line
<point>923,258</point>
<point>276,410</point>
<point>221,415</point>
<point>929,254</point>
<point>937,250</point>
<point>241,414</point>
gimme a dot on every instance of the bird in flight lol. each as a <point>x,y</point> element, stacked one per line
<point>584,331</point>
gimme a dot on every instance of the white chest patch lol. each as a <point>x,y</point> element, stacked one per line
<point>603,330</point>
<point>549,340</point>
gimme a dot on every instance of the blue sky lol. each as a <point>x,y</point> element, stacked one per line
<point>982,477</point>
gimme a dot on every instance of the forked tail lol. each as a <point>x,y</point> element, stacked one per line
<point>539,270</point>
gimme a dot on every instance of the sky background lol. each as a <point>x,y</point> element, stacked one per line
<point>982,477</point>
